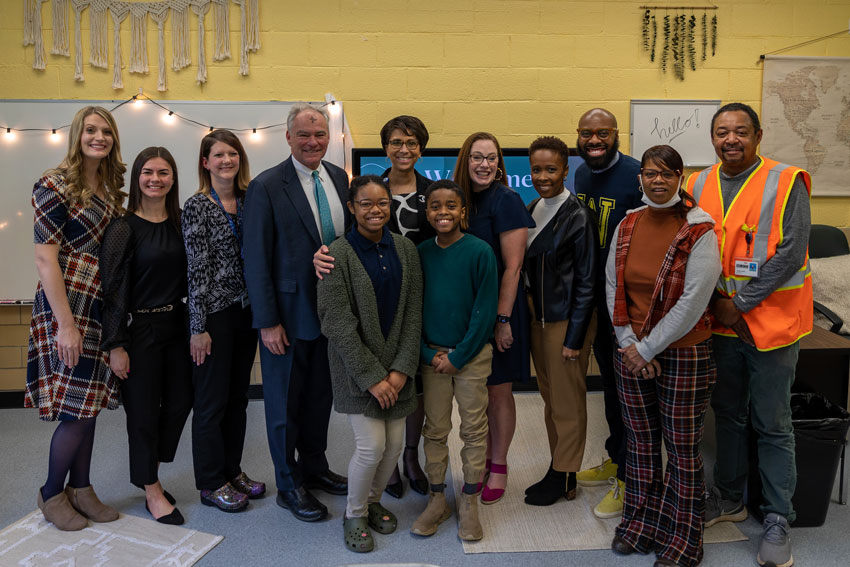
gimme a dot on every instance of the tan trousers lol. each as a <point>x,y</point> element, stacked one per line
<point>377,446</point>
<point>469,388</point>
<point>564,390</point>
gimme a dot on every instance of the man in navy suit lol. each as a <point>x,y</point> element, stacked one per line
<point>291,210</point>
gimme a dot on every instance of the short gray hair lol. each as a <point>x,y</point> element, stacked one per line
<point>300,107</point>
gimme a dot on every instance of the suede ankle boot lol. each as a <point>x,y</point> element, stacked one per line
<point>58,511</point>
<point>436,512</point>
<point>468,526</point>
<point>86,502</point>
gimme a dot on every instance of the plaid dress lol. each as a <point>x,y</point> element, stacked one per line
<point>60,392</point>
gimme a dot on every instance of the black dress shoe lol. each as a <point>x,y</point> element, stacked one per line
<point>328,481</point>
<point>415,476</point>
<point>395,489</point>
<point>664,562</point>
<point>621,546</point>
<point>175,518</point>
<point>303,505</point>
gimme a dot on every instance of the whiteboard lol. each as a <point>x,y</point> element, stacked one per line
<point>683,124</point>
<point>26,155</point>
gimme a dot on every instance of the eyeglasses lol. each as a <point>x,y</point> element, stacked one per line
<point>396,144</point>
<point>367,204</point>
<point>666,175</point>
<point>601,133</point>
<point>478,158</point>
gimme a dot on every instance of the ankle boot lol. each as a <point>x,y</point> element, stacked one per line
<point>86,502</point>
<point>549,490</point>
<point>468,526</point>
<point>436,512</point>
<point>58,511</point>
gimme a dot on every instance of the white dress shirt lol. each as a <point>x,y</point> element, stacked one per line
<point>305,176</point>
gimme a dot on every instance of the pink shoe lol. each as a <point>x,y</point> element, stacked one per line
<point>493,495</point>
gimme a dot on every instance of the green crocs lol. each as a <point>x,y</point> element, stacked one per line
<point>357,535</point>
<point>382,520</point>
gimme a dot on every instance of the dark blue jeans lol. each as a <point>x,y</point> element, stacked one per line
<point>755,385</point>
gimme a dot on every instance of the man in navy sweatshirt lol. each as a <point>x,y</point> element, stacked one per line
<point>607,182</point>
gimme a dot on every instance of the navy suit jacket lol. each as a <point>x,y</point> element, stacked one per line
<point>280,239</point>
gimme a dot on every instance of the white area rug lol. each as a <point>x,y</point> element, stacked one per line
<point>512,525</point>
<point>127,542</point>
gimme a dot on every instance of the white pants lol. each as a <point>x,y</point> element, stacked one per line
<point>378,445</point>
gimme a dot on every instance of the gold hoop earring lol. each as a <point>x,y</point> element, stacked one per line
<point>499,174</point>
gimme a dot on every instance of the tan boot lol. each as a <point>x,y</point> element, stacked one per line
<point>468,526</point>
<point>436,512</point>
<point>58,511</point>
<point>86,502</point>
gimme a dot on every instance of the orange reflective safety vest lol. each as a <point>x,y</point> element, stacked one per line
<point>786,314</point>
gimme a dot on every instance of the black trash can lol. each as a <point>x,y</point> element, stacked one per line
<point>820,428</point>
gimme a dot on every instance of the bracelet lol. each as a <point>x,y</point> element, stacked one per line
<point>503,318</point>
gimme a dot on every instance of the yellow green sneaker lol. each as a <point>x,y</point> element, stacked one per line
<point>598,475</point>
<point>611,505</point>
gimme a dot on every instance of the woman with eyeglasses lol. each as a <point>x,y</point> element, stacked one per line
<point>660,275</point>
<point>403,138</point>
<point>498,216</point>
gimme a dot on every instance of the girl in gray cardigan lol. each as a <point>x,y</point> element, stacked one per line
<point>370,308</point>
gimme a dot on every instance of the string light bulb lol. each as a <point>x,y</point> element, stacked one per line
<point>255,136</point>
<point>168,118</point>
<point>9,134</point>
<point>54,136</point>
<point>137,102</point>
<point>334,108</point>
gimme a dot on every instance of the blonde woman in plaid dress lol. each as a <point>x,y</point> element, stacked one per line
<point>68,376</point>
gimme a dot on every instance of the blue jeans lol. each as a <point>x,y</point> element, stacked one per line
<point>755,385</point>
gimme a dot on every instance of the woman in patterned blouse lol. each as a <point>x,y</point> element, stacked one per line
<point>223,344</point>
<point>68,376</point>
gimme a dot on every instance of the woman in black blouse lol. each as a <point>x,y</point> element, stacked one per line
<point>223,344</point>
<point>403,138</point>
<point>143,266</point>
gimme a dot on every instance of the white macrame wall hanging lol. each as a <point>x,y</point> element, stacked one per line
<point>138,13</point>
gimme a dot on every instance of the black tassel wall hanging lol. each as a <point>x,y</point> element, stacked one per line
<point>678,46</point>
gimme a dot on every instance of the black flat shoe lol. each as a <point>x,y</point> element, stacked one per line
<point>328,481</point>
<point>664,562</point>
<point>418,481</point>
<point>303,505</point>
<point>621,546</point>
<point>175,518</point>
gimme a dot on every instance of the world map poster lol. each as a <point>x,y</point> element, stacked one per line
<point>806,118</point>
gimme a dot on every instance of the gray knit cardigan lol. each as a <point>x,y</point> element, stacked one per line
<point>359,355</point>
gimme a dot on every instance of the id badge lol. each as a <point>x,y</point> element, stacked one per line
<point>747,267</point>
<point>245,301</point>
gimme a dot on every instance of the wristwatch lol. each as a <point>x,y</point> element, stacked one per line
<point>503,318</point>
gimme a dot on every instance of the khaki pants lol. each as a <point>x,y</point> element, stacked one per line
<point>564,390</point>
<point>378,444</point>
<point>469,388</point>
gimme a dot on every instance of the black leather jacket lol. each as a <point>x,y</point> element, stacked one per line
<point>561,268</point>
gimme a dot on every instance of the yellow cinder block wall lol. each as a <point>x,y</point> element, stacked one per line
<point>517,68</point>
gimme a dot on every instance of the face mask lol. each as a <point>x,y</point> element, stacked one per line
<point>673,200</point>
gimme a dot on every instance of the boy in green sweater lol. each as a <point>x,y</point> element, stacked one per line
<point>459,311</point>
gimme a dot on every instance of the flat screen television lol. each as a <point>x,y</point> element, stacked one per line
<point>439,163</point>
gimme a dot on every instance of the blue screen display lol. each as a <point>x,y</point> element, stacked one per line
<point>436,167</point>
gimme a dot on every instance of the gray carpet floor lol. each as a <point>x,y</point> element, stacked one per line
<point>267,535</point>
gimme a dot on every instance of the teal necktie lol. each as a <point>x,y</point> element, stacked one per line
<point>325,217</point>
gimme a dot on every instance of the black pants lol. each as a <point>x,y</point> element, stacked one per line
<point>157,394</point>
<point>603,350</point>
<point>221,397</point>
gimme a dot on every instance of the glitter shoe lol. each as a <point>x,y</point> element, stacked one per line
<point>251,488</point>
<point>226,499</point>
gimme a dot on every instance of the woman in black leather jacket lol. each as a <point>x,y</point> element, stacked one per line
<point>560,268</point>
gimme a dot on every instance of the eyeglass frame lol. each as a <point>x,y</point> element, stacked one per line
<point>595,132</point>
<point>397,144</point>
<point>477,159</point>
<point>386,204</point>
<point>656,172</point>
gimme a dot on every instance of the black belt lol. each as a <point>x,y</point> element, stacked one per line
<point>160,309</point>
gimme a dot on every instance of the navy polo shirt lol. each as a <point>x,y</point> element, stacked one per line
<point>384,268</point>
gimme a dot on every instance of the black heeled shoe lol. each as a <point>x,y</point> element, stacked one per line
<point>417,483</point>
<point>168,496</point>
<point>395,489</point>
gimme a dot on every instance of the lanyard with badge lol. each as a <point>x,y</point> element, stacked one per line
<point>234,228</point>
<point>748,266</point>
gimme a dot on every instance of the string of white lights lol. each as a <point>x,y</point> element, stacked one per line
<point>169,115</point>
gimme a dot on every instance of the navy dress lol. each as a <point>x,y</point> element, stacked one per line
<point>495,210</point>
